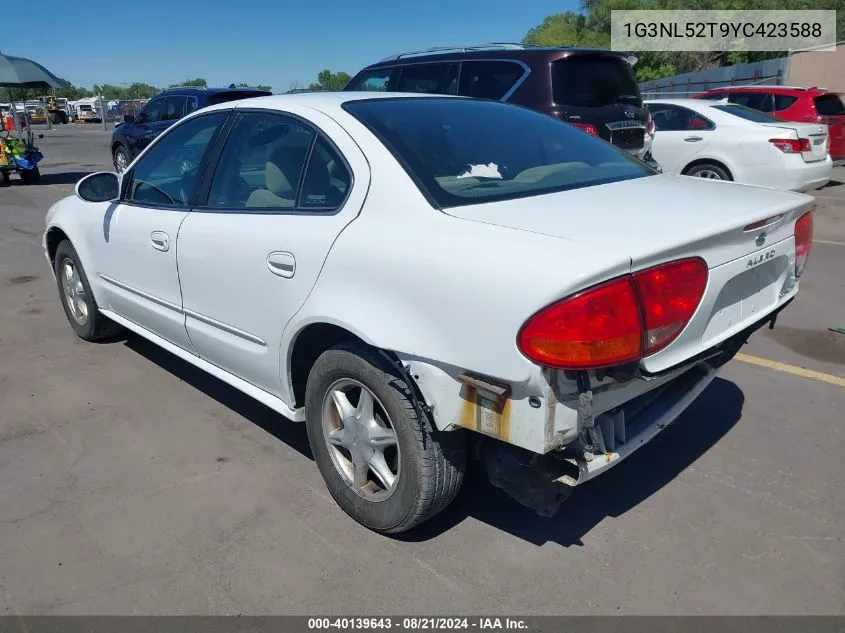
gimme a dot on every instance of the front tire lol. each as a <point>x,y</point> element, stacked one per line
<point>383,461</point>
<point>77,299</point>
<point>121,159</point>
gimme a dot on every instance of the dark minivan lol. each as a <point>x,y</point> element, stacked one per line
<point>162,111</point>
<point>592,89</point>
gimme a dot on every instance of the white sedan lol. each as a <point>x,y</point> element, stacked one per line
<point>387,270</point>
<point>726,141</point>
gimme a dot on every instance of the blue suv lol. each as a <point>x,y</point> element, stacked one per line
<point>162,111</point>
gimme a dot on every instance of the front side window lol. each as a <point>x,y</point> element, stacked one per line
<point>472,151</point>
<point>167,174</point>
<point>153,112</point>
<point>429,78</point>
<point>378,80</point>
<point>174,108</point>
<point>489,80</point>
<point>262,163</point>
<point>593,81</point>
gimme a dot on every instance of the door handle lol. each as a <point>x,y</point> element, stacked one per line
<point>693,139</point>
<point>160,240</point>
<point>282,264</point>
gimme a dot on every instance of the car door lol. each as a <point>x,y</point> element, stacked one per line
<point>135,249</point>
<point>680,135</point>
<point>283,188</point>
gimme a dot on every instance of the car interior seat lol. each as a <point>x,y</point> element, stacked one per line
<point>281,178</point>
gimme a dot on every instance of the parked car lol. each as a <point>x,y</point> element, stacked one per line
<point>727,141</point>
<point>594,90</point>
<point>162,111</point>
<point>87,113</point>
<point>812,105</point>
<point>339,257</point>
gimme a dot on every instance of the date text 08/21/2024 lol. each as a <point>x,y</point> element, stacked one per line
<point>417,623</point>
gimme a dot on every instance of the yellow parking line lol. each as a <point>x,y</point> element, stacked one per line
<point>829,242</point>
<point>792,369</point>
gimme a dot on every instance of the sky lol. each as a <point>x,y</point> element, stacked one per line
<point>162,42</point>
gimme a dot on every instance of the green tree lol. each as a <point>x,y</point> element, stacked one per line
<point>259,86</point>
<point>327,80</point>
<point>199,82</point>
<point>590,27</point>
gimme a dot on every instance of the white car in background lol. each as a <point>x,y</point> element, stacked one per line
<point>727,141</point>
<point>386,270</point>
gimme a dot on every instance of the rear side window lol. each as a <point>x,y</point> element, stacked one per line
<point>749,114</point>
<point>429,78</point>
<point>489,79</point>
<point>174,108</point>
<point>829,105</point>
<point>447,148</point>
<point>782,102</point>
<point>757,100</point>
<point>594,81</point>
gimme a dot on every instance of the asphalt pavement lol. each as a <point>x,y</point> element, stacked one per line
<point>131,483</point>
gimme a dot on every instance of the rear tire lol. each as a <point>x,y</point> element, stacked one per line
<point>426,466</point>
<point>710,171</point>
<point>77,299</point>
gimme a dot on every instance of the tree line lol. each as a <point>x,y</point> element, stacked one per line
<point>590,27</point>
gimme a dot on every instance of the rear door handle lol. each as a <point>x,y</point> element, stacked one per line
<point>693,139</point>
<point>160,241</point>
<point>281,263</point>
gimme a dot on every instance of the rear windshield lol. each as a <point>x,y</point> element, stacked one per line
<point>749,114</point>
<point>468,151</point>
<point>221,97</point>
<point>594,81</point>
<point>829,105</point>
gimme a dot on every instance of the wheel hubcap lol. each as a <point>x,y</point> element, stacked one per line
<point>361,440</point>
<point>74,292</point>
<point>120,159</point>
<point>708,173</point>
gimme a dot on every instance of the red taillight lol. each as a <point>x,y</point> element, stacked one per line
<point>791,145</point>
<point>616,322</point>
<point>803,241</point>
<point>589,128</point>
<point>650,127</point>
<point>670,295</point>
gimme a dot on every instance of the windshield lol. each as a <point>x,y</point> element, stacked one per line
<point>749,114</point>
<point>592,81</point>
<point>466,151</point>
<point>829,105</point>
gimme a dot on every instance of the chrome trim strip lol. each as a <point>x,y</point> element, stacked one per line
<point>141,293</point>
<point>226,328</point>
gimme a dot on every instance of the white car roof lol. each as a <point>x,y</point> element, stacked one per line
<point>322,101</point>
<point>694,104</point>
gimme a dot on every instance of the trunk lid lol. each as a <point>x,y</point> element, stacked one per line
<point>816,133</point>
<point>662,218</point>
<point>652,219</point>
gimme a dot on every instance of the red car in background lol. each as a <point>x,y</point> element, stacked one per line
<point>793,104</point>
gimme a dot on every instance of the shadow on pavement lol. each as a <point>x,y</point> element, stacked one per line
<point>64,177</point>
<point>291,433</point>
<point>612,494</point>
<point>832,183</point>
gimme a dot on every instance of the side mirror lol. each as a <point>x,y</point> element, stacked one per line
<point>103,186</point>
<point>129,118</point>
